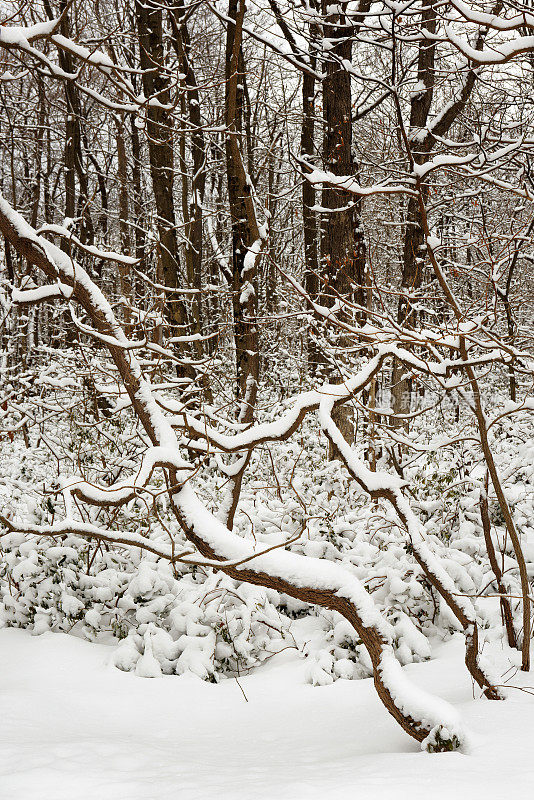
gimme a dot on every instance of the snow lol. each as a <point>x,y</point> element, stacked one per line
<point>41,293</point>
<point>76,727</point>
<point>20,36</point>
<point>247,292</point>
<point>491,20</point>
<point>298,405</point>
<point>96,57</point>
<point>418,89</point>
<point>448,160</point>
<point>153,457</point>
<point>497,54</point>
<point>301,571</point>
<point>63,230</point>
<point>350,184</point>
<point>251,258</point>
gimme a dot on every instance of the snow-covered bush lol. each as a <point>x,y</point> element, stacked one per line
<point>190,620</point>
<point>165,620</point>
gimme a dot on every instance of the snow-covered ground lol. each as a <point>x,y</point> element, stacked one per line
<point>74,727</point>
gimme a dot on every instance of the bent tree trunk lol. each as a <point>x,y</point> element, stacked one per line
<point>308,579</point>
<point>396,692</point>
<point>439,578</point>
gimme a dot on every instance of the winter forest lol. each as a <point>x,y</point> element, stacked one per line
<point>266,399</point>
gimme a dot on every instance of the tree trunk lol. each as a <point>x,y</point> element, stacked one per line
<point>74,166</point>
<point>125,283</point>
<point>156,86</point>
<point>309,216</point>
<point>194,238</point>
<point>245,233</point>
<point>343,253</point>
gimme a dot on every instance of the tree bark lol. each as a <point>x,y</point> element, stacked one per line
<point>194,237</point>
<point>245,231</point>
<point>156,86</point>
<point>343,252</point>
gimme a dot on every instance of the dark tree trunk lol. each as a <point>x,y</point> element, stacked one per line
<point>194,239</point>
<point>413,258</point>
<point>342,239</point>
<point>125,283</point>
<point>156,85</point>
<point>245,231</point>
<point>309,216</point>
<point>75,200</point>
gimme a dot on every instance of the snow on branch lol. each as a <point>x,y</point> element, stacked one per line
<point>499,54</point>
<point>383,485</point>
<point>156,547</point>
<point>287,423</point>
<point>330,585</point>
<point>21,36</point>
<point>17,37</point>
<point>105,255</point>
<point>308,579</point>
<point>516,22</point>
<point>88,530</point>
<point>349,184</point>
<point>41,294</point>
<point>119,494</point>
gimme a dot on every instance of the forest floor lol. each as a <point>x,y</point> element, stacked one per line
<point>74,726</point>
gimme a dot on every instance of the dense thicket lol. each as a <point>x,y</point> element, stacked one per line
<point>266,293</point>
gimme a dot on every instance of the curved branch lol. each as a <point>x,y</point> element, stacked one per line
<point>381,485</point>
<point>312,580</point>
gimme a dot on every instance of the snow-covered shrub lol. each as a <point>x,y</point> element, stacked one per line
<point>204,623</point>
<point>165,620</point>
